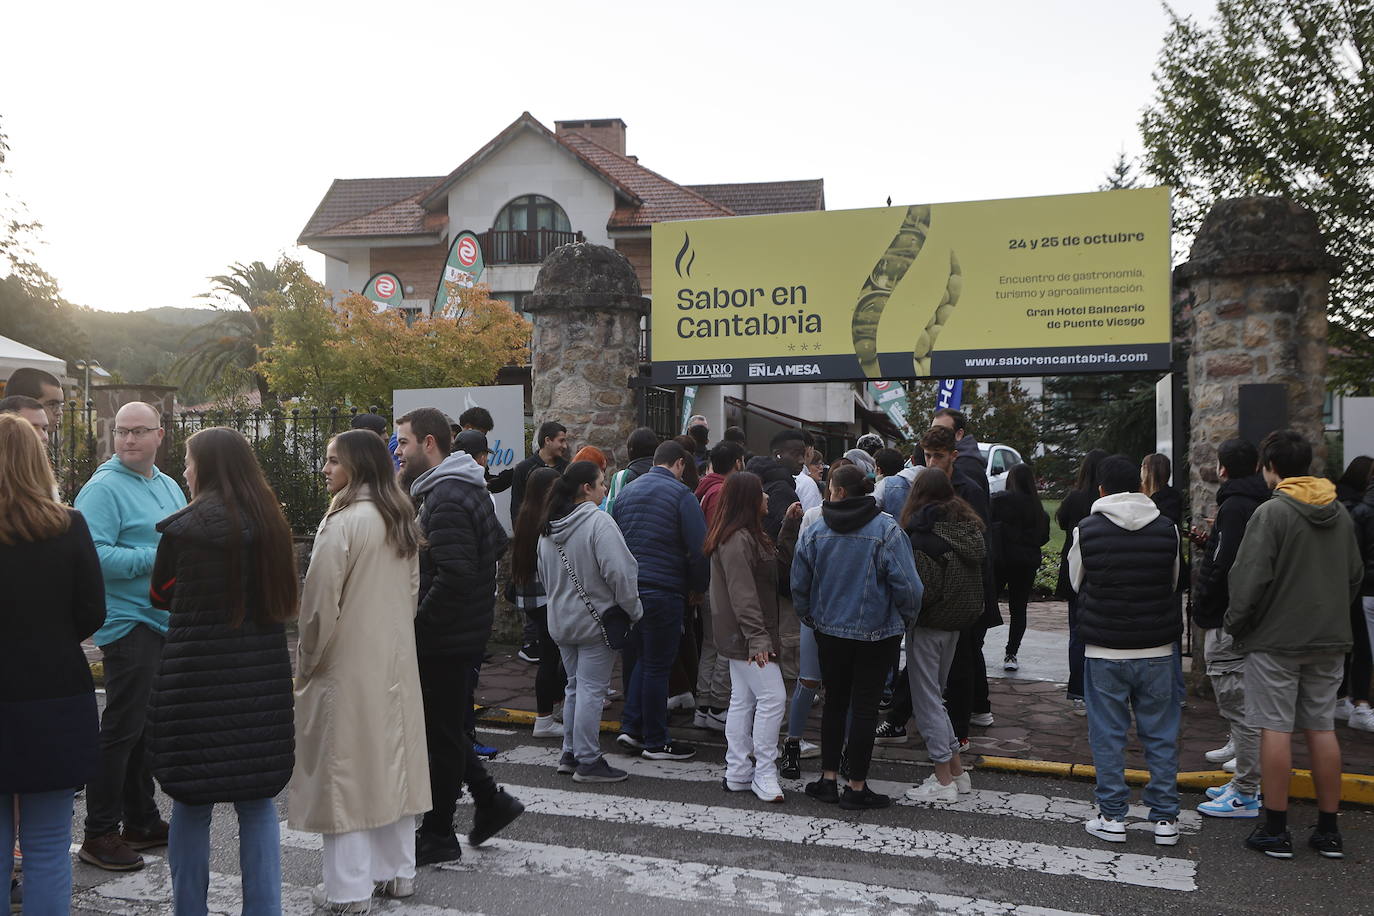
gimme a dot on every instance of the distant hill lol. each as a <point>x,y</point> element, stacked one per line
<point>140,345</point>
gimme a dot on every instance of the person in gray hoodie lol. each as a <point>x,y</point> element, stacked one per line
<point>589,542</point>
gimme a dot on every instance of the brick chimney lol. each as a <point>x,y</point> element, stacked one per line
<point>607,132</point>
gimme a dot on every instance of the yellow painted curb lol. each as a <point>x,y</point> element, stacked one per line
<point>1356,788</point>
<point>498,715</point>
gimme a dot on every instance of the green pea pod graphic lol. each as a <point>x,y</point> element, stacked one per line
<point>954,286</point>
<point>886,274</point>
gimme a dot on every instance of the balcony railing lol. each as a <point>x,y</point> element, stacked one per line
<point>523,246</point>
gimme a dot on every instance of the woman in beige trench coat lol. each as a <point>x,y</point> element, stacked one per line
<point>361,767</point>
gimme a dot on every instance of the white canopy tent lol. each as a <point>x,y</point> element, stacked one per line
<point>14,355</point>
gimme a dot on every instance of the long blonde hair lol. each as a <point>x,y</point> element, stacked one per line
<point>28,510</point>
<point>372,476</point>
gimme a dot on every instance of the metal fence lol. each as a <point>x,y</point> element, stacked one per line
<point>290,447</point>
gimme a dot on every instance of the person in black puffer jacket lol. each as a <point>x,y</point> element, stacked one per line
<point>457,601</point>
<point>220,720</point>
<point>1359,663</point>
<point>1021,528</point>
<point>779,476</point>
<point>54,598</point>
<point>1077,505</point>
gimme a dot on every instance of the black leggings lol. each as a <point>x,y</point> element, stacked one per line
<point>966,690</point>
<point>549,679</point>
<point>853,672</point>
<point>1018,581</point>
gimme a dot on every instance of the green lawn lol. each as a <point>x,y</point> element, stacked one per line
<point>1056,543</point>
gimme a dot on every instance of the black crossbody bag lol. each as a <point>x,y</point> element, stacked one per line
<point>615,624</point>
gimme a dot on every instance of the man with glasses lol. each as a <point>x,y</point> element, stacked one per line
<point>43,387</point>
<point>123,502</point>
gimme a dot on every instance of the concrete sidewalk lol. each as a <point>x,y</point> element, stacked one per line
<point>1034,720</point>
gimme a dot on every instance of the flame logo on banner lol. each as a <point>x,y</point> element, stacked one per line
<point>684,253</point>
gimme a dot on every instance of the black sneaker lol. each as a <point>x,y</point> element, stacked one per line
<point>864,799</point>
<point>494,814</point>
<point>887,733</point>
<point>431,848</point>
<point>599,771</point>
<point>1327,844</point>
<point>825,790</point>
<point>673,750</point>
<point>629,742</point>
<point>1278,846</point>
<point>789,766</point>
<point>567,764</point>
<point>529,653</point>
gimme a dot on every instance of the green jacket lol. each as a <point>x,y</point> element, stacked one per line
<point>1294,578</point>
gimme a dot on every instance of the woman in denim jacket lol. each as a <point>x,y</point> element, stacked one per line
<point>854,582</point>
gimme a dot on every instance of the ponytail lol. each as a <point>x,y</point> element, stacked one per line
<point>565,495</point>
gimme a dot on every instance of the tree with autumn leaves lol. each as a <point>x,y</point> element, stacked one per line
<point>351,351</point>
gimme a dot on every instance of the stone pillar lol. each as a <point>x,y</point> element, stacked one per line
<point>1256,283</point>
<point>587,308</point>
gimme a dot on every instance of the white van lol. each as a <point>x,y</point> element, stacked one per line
<point>1000,459</point>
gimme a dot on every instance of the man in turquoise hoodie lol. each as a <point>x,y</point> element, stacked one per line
<point>123,502</point>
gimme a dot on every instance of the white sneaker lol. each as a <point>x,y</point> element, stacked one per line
<point>766,788</point>
<point>1230,765</point>
<point>1080,706</point>
<point>1362,718</point>
<point>963,783</point>
<point>981,719</point>
<point>546,727</point>
<point>1344,708</point>
<point>933,791</point>
<point>1107,828</point>
<point>704,718</point>
<point>809,750</point>
<point>1166,833</point>
<point>1222,754</point>
<point>395,888</point>
<point>682,701</point>
<point>320,899</point>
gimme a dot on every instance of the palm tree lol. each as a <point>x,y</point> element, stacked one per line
<point>235,339</point>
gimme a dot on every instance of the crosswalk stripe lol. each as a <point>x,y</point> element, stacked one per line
<point>981,801</point>
<point>148,892</point>
<point>834,832</point>
<point>717,885</point>
<point>704,883</point>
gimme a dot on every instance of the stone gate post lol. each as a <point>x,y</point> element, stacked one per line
<point>1256,281</point>
<point>587,309</point>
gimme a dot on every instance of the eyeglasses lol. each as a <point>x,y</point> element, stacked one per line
<point>138,432</point>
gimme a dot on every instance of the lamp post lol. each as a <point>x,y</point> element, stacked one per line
<point>88,364</point>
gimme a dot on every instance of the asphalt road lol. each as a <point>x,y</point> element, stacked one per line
<point>670,841</point>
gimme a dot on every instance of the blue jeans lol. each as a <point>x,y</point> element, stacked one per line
<point>46,840</point>
<point>1113,689</point>
<point>648,660</point>
<point>188,854</point>
<point>804,697</point>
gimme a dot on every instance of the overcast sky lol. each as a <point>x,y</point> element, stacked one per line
<point>159,143</point>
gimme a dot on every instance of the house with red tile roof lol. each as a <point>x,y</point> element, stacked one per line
<point>524,193</point>
<point>527,191</point>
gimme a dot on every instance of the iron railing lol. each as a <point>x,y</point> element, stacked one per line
<point>523,246</point>
<point>290,447</point>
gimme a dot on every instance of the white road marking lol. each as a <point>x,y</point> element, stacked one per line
<point>981,801</point>
<point>718,885</point>
<point>487,730</point>
<point>1097,864</point>
<point>149,893</point>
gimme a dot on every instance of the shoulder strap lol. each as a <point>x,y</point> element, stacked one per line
<point>582,593</point>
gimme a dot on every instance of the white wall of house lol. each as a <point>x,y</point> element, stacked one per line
<point>511,278</point>
<point>531,165</point>
<point>351,275</point>
<point>829,402</point>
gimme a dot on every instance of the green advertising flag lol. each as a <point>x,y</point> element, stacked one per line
<point>462,268</point>
<point>891,399</point>
<point>384,289</point>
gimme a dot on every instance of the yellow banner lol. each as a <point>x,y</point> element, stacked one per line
<point>1028,286</point>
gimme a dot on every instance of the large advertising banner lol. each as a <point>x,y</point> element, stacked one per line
<point>1028,286</point>
<point>506,403</point>
<point>463,268</point>
<point>384,289</point>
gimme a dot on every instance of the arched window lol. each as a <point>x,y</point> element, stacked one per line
<point>532,212</point>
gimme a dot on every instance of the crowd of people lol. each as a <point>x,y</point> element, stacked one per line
<point>736,586</point>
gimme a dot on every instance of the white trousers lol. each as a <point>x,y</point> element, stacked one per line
<point>757,703</point>
<point>354,862</point>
